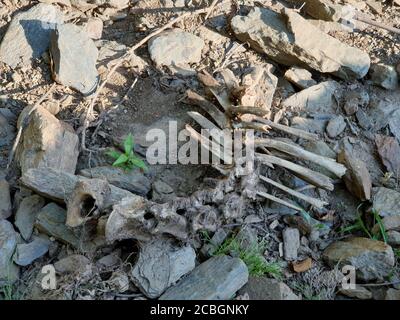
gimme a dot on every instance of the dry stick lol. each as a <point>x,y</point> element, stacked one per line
<point>275,199</point>
<point>367,20</point>
<point>338,169</point>
<point>210,10</point>
<point>313,201</point>
<point>126,56</point>
<point>23,123</point>
<point>316,178</point>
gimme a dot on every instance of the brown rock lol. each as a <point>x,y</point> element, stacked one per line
<point>358,293</point>
<point>47,142</point>
<point>389,151</point>
<point>302,266</point>
<point>357,177</point>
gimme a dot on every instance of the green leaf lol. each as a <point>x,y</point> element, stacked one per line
<point>128,144</point>
<point>123,158</point>
<point>138,163</point>
<point>113,154</point>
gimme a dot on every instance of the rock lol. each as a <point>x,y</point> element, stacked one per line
<point>285,38</point>
<point>28,35</point>
<point>258,86</point>
<point>372,259</point>
<point>8,114</point>
<point>310,125</point>
<point>205,218</point>
<point>75,263</point>
<point>7,131</point>
<point>302,266</point>
<point>8,243</point>
<point>300,77</point>
<point>51,221</point>
<point>389,152</point>
<point>393,238</point>
<point>335,126</point>
<point>321,148</point>
<point>47,143</point>
<point>386,202</point>
<point>321,9</point>
<point>94,28</point>
<point>233,206</point>
<point>119,281</point>
<point>357,177</point>
<point>5,200</point>
<point>392,294</point>
<point>219,278</point>
<point>74,55</point>
<point>175,49</point>
<point>358,293</point>
<point>355,99</point>
<point>318,99</point>
<point>216,240</point>
<point>384,76</point>
<point>161,264</point>
<point>25,254</point>
<point>291,243</point>
<point>162,192</point>
<point>26,215</point>
<point>134,181</point>
<point>394,124</point>
<point>108,261</point>
<point>389,223</point>
<point>261,288</point>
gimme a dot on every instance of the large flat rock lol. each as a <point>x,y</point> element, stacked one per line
<point>28,35</point>
<point>216,279</point>
<point>286,38</point>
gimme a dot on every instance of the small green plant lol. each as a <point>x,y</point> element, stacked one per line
<point>359,225</point>
<point>251,256</point>
<point>127,160</point>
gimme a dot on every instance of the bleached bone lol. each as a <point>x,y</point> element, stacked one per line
<point>313,201</point>
<point>213,147</point>
<point>220,118</point>
<point>275,199</point>
<point>206,124</point>
<point>315,178</point>
<point>338,169</point>
<point>87,201</point>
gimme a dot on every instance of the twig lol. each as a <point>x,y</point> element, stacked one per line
<point>211,8</point>
<point>126,56</point>
<point>24,123</point>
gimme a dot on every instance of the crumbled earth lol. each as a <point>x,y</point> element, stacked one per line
<point>191,231</point>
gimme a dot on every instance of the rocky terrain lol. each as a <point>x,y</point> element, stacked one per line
<point>82,83</point>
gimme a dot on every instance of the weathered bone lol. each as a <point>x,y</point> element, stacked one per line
<point>86,201</point>
<point>313,201</point>
<point>275,199</point>
<point>315,178</point>
<point>338,169</point>
<point>220,118</point>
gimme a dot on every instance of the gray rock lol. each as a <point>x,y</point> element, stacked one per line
<point>8,243</point>
<point>372,259</point>
<point>5,200</point>
<point>291,243</point>
<point>354,99</point>
<point>286,39</point>
<point>161,264</point>
<point>389,223</point>
<point>393,238</point>
<point>25,254</point>
<point>75,263</point>
<point>134,181</point>
<point>26,215</point>
<point>176,49</point>
<point>310,125</point>
<point>335,126</point>
<point>47,143</point>
<point>28,35</point>
<point>358,293</point>
<point>51,221</point>
<point>216,240</point>
<point>300,77</point>
<point>392,294</point>
<point>384,76</point>
<point>74,55</point>
<point>318,99</point>
<point>261,288</point>
<point>9,115</point>
<point>7,131</point>
<point>162,192</point>
<point>247,238</point>
<point>219,278</point>
<point>386,202</point>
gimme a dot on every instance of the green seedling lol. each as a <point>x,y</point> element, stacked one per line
<point>127,160</point>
